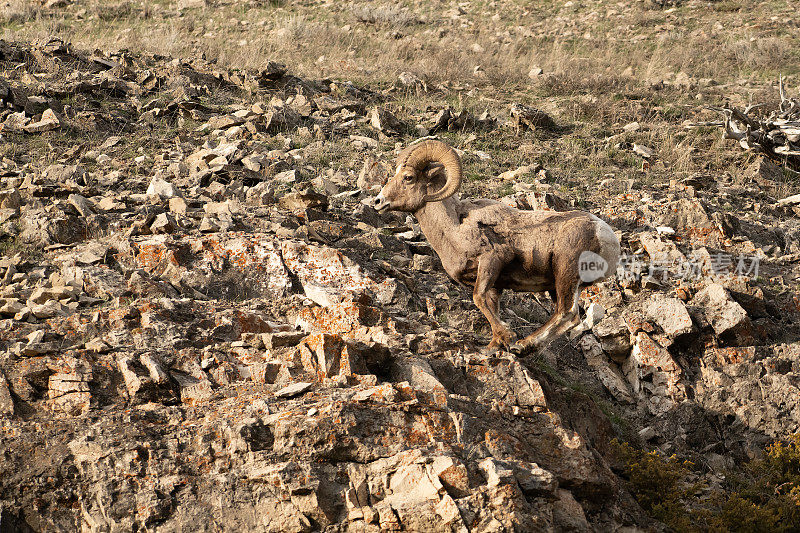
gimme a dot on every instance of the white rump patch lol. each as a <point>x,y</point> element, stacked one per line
<point>591,266</point>
<point>609,244</point>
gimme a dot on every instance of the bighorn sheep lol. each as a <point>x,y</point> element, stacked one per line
<point>492,246</point>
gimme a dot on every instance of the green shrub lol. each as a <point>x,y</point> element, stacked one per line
<point>761,496</point>
<point>659,484</point>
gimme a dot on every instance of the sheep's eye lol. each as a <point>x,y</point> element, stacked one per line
<point>408,177</point>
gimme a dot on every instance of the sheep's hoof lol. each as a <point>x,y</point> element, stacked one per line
<point>498,344</point>
<point>490,350</point>
<point>520,349</point>
<point>495,347</point>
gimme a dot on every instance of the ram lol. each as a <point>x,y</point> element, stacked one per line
<point>492,246</point>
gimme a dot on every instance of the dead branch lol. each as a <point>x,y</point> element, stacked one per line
<point>776,135</point>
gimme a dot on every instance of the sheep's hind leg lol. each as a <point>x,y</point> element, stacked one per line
<point>487,299</point>
<point>565,318</point>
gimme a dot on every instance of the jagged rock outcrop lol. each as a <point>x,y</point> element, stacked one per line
<point>216,333</point>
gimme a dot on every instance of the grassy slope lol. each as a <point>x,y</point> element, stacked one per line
<point>602,62</point>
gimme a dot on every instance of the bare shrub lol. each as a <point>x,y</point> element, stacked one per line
<point>18,11</point>
<point>391,15</point>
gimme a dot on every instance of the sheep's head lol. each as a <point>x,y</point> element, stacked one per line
<point>426,172</point>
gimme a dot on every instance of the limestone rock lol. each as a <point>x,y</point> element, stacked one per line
<point>609,374</point>
<point>48,122</point>
<point>6,402</point>
<point>328,355</point>
<point>48,309</point>
<point>162,188</point>
<point>724,314</point>
<point>670,314</point>
<point>10,199</point>
<point>384,120</point>
<point>11,307</point>
<point>372,176</point>
<point>524,116</point>
<point>614,336</point>
<point>664,252</point>
<point>164,223</point>
<point>70,393</point>
<point>81,205</point>
<point>326,275</point>
<point>301,200</point>
<point>686,214</point>
<point>651,370</point>
<point>139,382</point>
<point>292,390</point>
<point>281,339</point>
<point>66,173</point>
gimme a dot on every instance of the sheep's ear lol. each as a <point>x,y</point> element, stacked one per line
<point>434,171</point>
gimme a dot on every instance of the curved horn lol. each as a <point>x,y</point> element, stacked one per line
<point>436,151</point>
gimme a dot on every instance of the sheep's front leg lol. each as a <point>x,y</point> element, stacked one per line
<point>487,299</point>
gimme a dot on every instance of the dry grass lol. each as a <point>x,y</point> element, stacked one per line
<point>605,64</point>
<point>374,41</point>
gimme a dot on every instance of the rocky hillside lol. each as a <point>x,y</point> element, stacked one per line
<point>206,327</point>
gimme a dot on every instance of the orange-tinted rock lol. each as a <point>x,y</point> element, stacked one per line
<point>327,355</point>
<point>327,276</point>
